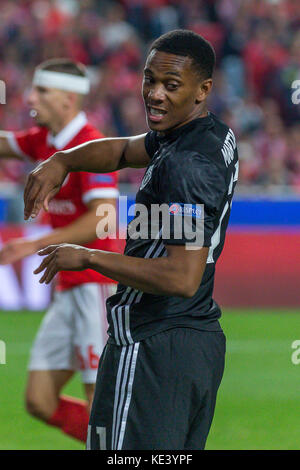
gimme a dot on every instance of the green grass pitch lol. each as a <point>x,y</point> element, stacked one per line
<point>257,405</point>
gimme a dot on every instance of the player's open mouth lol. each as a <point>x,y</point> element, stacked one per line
<point>156,114</point>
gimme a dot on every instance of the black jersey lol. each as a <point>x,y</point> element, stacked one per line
<point>194,167</point>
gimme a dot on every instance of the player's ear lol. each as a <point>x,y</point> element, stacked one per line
<point>203,90</point>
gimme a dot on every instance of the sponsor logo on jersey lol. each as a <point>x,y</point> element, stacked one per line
<point>191,210</point>
<point>64,207</point>
<point>174,208</point>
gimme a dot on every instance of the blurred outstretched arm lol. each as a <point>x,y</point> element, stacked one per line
<point>96,156</point>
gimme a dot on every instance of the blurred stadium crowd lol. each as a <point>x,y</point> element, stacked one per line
<point>257,43</point>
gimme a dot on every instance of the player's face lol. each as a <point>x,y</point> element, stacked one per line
<point>46,104</point>
<point>171,91</point>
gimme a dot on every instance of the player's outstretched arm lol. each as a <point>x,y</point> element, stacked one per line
<point>16,249</point>
<point>97,156</point>
<point>80,231</point>
<point>6,151</point>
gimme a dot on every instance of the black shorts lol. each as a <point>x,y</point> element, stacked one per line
<point>159,393</point>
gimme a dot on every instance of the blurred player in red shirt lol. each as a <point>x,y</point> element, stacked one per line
<point>73,332</point>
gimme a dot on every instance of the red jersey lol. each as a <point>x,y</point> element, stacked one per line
<point>78,189</point>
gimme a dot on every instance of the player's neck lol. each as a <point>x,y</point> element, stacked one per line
<point>203,111</point>
<point>59,124</point>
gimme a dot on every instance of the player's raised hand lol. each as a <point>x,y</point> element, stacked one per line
<point>64,257</point>
<point>42,185</point>
<point>16,249</point>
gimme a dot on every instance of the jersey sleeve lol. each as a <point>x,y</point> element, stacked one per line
<point>24,143</point>
<point>98,186</point>
<point>151,143</point>
<point>193,192</point>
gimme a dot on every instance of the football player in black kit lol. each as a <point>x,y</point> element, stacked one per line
<point>163,363</point>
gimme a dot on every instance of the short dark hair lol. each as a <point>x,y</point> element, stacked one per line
<point>187,43</point>
<point>63,66</point>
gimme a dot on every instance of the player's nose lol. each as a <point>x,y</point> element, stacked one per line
<point>156,94</point>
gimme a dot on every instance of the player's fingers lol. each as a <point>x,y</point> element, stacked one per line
<point>29,194</point>
<point>27,187</point>
<point>48,198</point>
<point>42,198</point>
<point>34,196</point>
<point>34,202</point>
<point>46,261</point>
<point>43,278</point>
<point>47,250</point>
<point>49,273</point>
<point>46,202</point>
<point>37,204</point>
<point>32,189</point>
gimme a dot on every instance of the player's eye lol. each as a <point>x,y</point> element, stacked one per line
<point>42,90</point>
<point>148,80</point>
<point>172,86</point>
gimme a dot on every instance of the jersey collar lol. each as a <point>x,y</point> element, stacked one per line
<point>62,139</point>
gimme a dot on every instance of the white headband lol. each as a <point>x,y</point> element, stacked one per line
<point>61,81</point>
